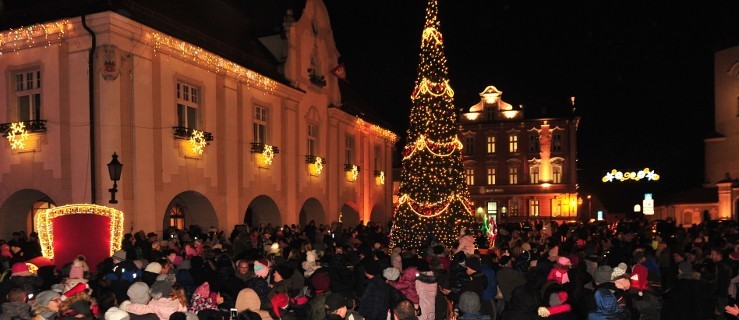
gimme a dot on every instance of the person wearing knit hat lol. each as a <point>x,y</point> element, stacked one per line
<point>557,305</point>
<point>79,288</point>
<point>391,274</point>
<point>639,275</point>
<point>469,304</point>
<point>373,268</point>
<point>119,256</point>
<point>138,292</point>
<point>620,277</point>
<point>321,282</point>
<point>310,265</point>
<point>46,304</point>
<point>473,263</point>
<point>336,306</point>
<point>261,268</point>
<point>115,313</point>
<point>602,274</point>
<point>160,289</point>
<point>559,271</point>
<point>20,269</point>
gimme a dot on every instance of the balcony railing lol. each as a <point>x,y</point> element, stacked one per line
<point>258,147</point>
<point>32,126</point>
<point>316,79</point>
<point>312,159</point>
<point>186,133</point>
<point>378,173</point>
<point>350,167</point>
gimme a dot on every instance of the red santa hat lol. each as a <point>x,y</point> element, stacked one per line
<point>79,288</point>
<point>638,278</point>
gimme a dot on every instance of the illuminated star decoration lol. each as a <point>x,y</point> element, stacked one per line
<point>268,154</point>
<point>197,140</point>
<point>318,165</point>
<point>354,172</point>
<point>382,177</point>
<point>17,135</point>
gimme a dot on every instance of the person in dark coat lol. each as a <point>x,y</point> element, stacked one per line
<point>682,300</point>
<point>524,304</point>
<point>374,303</point>
<point>21,277</point>
<point>476,281</point>
<point>607,307</point>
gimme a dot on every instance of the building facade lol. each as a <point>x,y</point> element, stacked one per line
<point>719,196</point>
<point>204,139</point>
<point>516,167</point>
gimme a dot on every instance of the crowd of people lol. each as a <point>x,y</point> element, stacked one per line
<point>532,270</point>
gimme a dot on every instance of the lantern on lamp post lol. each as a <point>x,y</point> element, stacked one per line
<point>114,170</point>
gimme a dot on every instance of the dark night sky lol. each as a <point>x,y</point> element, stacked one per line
<point>641,71</point>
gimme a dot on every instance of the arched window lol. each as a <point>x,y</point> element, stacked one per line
<point>177,217</point>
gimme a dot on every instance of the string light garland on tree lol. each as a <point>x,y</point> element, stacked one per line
<point>44,227</point>
<point>434,198</point>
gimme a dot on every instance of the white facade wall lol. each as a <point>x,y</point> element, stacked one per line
<point>134,116</point>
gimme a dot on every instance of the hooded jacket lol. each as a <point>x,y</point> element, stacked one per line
<point>426,288</point>
<point>524,304</point>
<point>163,307</point>
<point>607,307</point>
<point>16,310</point>
<point>407,284</point>
<point>249,300</point>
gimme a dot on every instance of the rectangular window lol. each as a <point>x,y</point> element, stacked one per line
<point>556,174</point>
<point>349,149</point>
<point>490,113</point>
<point>534,143</point>
<point>469,145</point>
<point>513,143</point>
<point>557,142</point>
<point>492,207</point>
<point>312,136</point>
<point>28,95</point>
<point>469,174</point>
<point>491,176</point>
<point>491,144</point>
<point>534,174</point>
<point>534,207</point>
<point>513,175</point>
<point>188,103</point>
<point>261,118</point>
<point>556,207</point>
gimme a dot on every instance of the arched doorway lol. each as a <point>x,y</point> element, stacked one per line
<point>190,208</point>
<point>349,216</point>
<point>262,210</point>
<point>20,208</point>
<point>312,210</point>
<point>378,215</point>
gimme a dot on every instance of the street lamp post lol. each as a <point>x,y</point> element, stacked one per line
<point>114,170</point>
<point>590,207</point>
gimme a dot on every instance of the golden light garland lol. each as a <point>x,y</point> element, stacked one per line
<point>423,143</point>
<point>268,154</point>
<point>379,131</point>
<point>17,135</point>
<point>28,37</point>
<point>435,89</point>
<point>197,141</point>
<point>199,56</point>
<point>406,199</point>
<point>431,33</point>
<point>648,174</point>
<point>44,226</point>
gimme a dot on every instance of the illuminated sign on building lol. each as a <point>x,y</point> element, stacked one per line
<point>647,174</point>
<point>648,204</point>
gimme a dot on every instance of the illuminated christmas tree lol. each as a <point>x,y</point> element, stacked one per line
<point>434,200</point>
